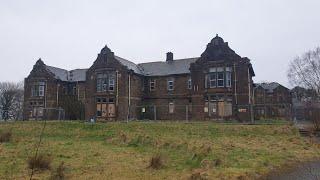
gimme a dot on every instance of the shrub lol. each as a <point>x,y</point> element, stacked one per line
<point>156,162</point>
<point>5,137</point>
<point>40,162</point>
<point>59,174</point>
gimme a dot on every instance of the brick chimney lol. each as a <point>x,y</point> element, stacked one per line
<point>169,57</point>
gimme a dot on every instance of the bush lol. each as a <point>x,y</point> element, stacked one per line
<point>5,137</point>
<point>156,162</point>
<point>59,174</point>
<point>40,162</point>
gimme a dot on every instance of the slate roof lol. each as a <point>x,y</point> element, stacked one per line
<point>130,65</point>
<point>158,68</point>
<point>269,86</point>
<point>163,68</point>
<point>59,73</point>
<point>77,75</point>
<point>64,75</point>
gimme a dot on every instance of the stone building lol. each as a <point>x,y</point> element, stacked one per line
<point>217,85</point>
<point>272,100</point>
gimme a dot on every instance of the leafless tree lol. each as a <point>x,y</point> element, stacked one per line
<point>305,70</point>
<point>11,100</point>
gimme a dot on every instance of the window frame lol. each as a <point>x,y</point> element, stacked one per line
<point>111,82</point>
<point>170,84</point>
<point>189,83</point>
<point>220,79</point>
<point>152,84</point>
<point>38,89</point>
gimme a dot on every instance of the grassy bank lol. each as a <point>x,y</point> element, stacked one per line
<point>123,151</point>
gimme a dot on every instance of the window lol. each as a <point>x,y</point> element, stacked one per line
<point>189,83</point>
<point>74,92</point>
<point>38,89</point>
<point>220,79</point>
<point>102,82</point>
<point>212,80</point>
<point>171,107</point>
<point>105,82</point>
<point>152,84</point>
<point>111,83</point>
<point>170,84</point>
<point>228,76</point>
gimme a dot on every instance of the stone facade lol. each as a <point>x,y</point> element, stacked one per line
<point>217,85</point>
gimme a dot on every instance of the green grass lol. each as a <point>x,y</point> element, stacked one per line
<point>123,151</point>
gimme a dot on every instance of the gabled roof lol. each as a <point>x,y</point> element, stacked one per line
<point>163,68</point>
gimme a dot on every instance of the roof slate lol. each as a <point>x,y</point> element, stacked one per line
<point>130,65</point>
<point>64,75</point>
<point>269,86</point>
<point>163,68</point>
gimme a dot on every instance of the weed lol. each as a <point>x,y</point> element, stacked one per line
<point>5,136</point>
<point>156,162</point>
<point>59,173</point>
<point>197,176</point>
<point>40,162</point>
<point>217,162</point>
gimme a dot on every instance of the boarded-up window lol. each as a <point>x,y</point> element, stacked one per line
<point>228,109</point>
<point>225,108</point>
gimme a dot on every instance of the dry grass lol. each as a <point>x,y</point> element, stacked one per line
<point>123,151</point>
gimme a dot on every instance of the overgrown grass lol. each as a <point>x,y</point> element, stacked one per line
<point>124,151</point>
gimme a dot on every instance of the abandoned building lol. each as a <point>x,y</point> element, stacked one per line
<point>216,85</point>
<point>272,100</point>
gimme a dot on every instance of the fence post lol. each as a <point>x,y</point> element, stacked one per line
<point>155,112</point>
<point>187,113</point>
<point>59,114</point>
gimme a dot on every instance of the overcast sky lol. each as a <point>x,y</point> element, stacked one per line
<point>70,34</point>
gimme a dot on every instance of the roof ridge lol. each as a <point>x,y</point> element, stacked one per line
<point>174,60</point>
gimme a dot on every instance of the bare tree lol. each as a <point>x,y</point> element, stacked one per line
<point>305,70</point>
<point>11,100</point>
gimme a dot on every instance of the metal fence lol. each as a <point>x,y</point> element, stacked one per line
<point>46,114</point>
<point>211,111</point>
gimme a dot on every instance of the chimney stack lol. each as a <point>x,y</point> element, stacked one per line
<point>169,57</point>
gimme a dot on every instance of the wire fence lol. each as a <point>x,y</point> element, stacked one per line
<point>219,111</point>
<point>40,113</point>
